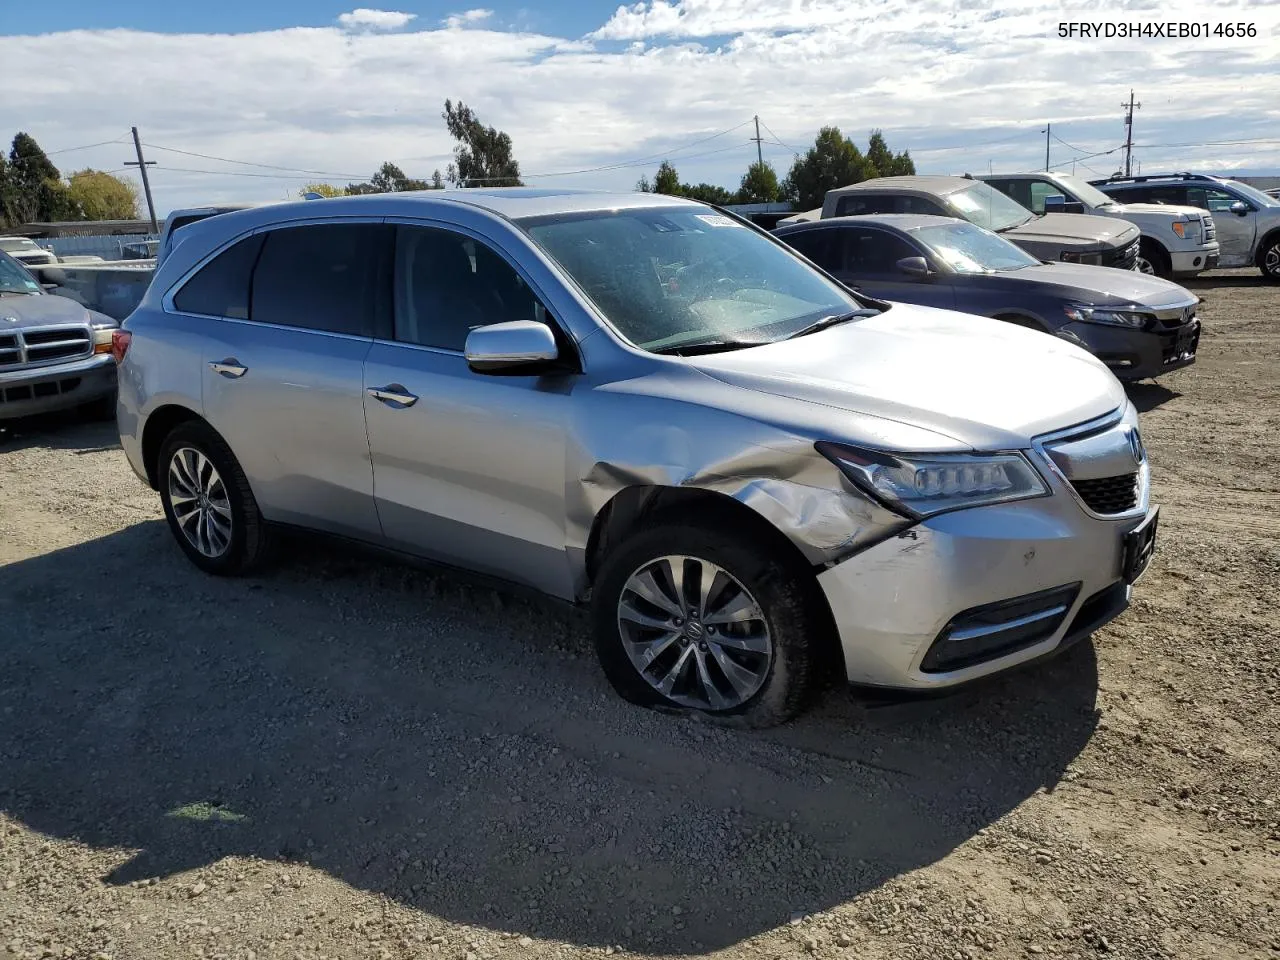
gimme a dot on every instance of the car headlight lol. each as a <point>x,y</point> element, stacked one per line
<point>102,339</point>
<point>1116,318</point>
<point>921,485</point>
<point>1091,258</point>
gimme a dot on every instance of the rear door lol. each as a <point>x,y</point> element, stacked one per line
<point>469,468</point>
<point>283,361</point>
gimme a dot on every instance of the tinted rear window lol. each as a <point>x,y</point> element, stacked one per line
<point>221,288</point>
<point>331,276</point>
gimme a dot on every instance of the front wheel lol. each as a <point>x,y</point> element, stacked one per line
<point>1269,260</point>
<point>700,620</point>
<point>1153,261</point>
<point>211,511</point>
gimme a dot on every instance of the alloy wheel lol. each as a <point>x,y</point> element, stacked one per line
<point>695,633</point>
<point>1271,261</point>
<point>1143,265</point>
<point>200,503</point>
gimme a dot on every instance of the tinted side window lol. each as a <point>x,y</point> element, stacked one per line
<point>814,244</point>
<point>919,205</point>
<point>447,284</point>
<point>872,251</point>
<point>858,204</point>
<point>326,276</point>
<point>1207,198</point>
<point>221,288</point>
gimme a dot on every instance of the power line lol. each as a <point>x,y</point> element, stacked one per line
<point>250,163</point>
<point>777,139</point>
<point>1068,145</point>
<point>87,146</point>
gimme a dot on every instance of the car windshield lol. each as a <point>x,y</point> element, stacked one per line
<point>15,244</point>
<point>667,277</point>
<point>1254,194</point>
<point>1084,190</point>
<point>967,248</point>
<point>14,277</point>
<point>986,206</point>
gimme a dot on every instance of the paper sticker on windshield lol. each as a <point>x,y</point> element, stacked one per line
<point>717,220</point>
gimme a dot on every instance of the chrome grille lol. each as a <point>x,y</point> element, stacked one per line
<point>1125,259</point>
<point>44,345</point>
<point>1108,495</point>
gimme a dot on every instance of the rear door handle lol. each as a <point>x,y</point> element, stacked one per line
<point>230,367</point>
<point>393,395</point>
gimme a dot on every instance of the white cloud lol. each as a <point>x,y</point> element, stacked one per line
<point>467,18</point>
<point>930,73</point>
<point>363,18</point>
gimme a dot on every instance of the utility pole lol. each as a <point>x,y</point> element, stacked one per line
<point>1128,133</point>
<point>756,138</point>
<point>1048,127</point>
<point>146,184</point>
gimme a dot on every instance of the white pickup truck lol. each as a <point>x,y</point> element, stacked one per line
<point>1177,241</point>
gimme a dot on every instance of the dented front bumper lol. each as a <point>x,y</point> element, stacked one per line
<point>1013,582</point>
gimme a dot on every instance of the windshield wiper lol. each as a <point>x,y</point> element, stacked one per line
<point>832,320</point>
<point>707,346</point>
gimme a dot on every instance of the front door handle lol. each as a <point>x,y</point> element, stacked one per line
<point>393,395</point>
<point>230,367</point>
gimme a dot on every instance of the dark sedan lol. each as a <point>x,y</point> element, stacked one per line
<point>1139,325</point>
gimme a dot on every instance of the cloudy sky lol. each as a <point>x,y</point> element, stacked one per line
<point>594,94</point>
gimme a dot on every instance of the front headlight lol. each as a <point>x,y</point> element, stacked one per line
<point>1116,318</point>
<point>1094,259</point>
<point>919,486</point>
<point>102,339</point>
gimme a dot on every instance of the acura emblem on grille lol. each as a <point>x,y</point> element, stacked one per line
<point>1135,445</point>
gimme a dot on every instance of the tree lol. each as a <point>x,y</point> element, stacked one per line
<point>886,163</point>
<point>833,161</point>
<point>388,179</point>
<point>667,180</point>
<point>324,189</point>
<point>706,192</point>
<point>759,184</point>
<point>36,191</point>
<point>482,155</point>
<point>100,196</point>
<point>5,193</point>
<point>437,181</point>
<point>643,185</point>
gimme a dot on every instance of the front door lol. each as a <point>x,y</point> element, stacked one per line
<point>469,469</point>
<point>867,258</point>
<point>1235,232</point>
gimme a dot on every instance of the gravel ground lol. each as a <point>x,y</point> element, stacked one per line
<point>347,758</point>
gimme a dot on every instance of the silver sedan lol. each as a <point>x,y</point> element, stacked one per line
<point>760,481</point>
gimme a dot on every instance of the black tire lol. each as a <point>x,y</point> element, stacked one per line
<point>248,542</point>
<point>785,592</point>
<point>1269,258</point>
<point>1155,255</point>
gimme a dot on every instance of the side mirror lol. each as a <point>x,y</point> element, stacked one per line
<point>915,267</point>
<point>1057,203</point>
<point>54,275</point>
<point>510,347</point>
<point>1239,208</point>
<point>49,287</point>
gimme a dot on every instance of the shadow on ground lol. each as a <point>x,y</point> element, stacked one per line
<point>1147,396</point>
<point>65,430</point>
<point>457,750</point>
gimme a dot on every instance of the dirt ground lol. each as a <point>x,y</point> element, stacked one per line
<point>346,758</point>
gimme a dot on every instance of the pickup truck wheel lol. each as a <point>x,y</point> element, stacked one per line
<point>211,511</point>
<point>1153,261</point>
<point>1269,259</point>
<point>699,620</point>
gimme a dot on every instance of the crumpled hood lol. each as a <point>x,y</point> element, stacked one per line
<point>43,310</point>
<point>1076,226</point>
<point>1105,286</point>
<point>986,383</point>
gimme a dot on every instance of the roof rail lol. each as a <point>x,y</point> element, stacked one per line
<point>1156,176</point>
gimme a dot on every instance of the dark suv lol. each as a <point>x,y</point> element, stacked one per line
<point>1247,220</point>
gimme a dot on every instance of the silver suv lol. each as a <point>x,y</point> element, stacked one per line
<point>1248,220</point>
<point>759,481</point>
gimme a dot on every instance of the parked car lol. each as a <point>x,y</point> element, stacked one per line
<point>640,403</point>
<point>177,219</point>
<point>1052,236</point>
<point>26,251</point>
<point>1177,241</point>
<point>139,250</point>
<point>1248,221</point>
<point>54,354</point>
<point>1273,192</point>
<point>1139,326</point>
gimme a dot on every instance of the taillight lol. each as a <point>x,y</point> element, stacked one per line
<point>120,344</point>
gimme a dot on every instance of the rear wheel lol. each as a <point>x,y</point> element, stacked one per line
<point>696,619</point>
<point>211,510</point>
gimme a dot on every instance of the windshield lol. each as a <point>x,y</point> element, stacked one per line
<point>1254,194</point>
<point>986,206</point>
<point>1085,191</point>
<point>671,276</point>
<point>967,248</point>
<point>14,277</point>
<point>14,244</point>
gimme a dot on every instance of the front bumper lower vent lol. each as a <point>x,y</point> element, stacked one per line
<point>1107,496</point>
<point>997,629</point>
